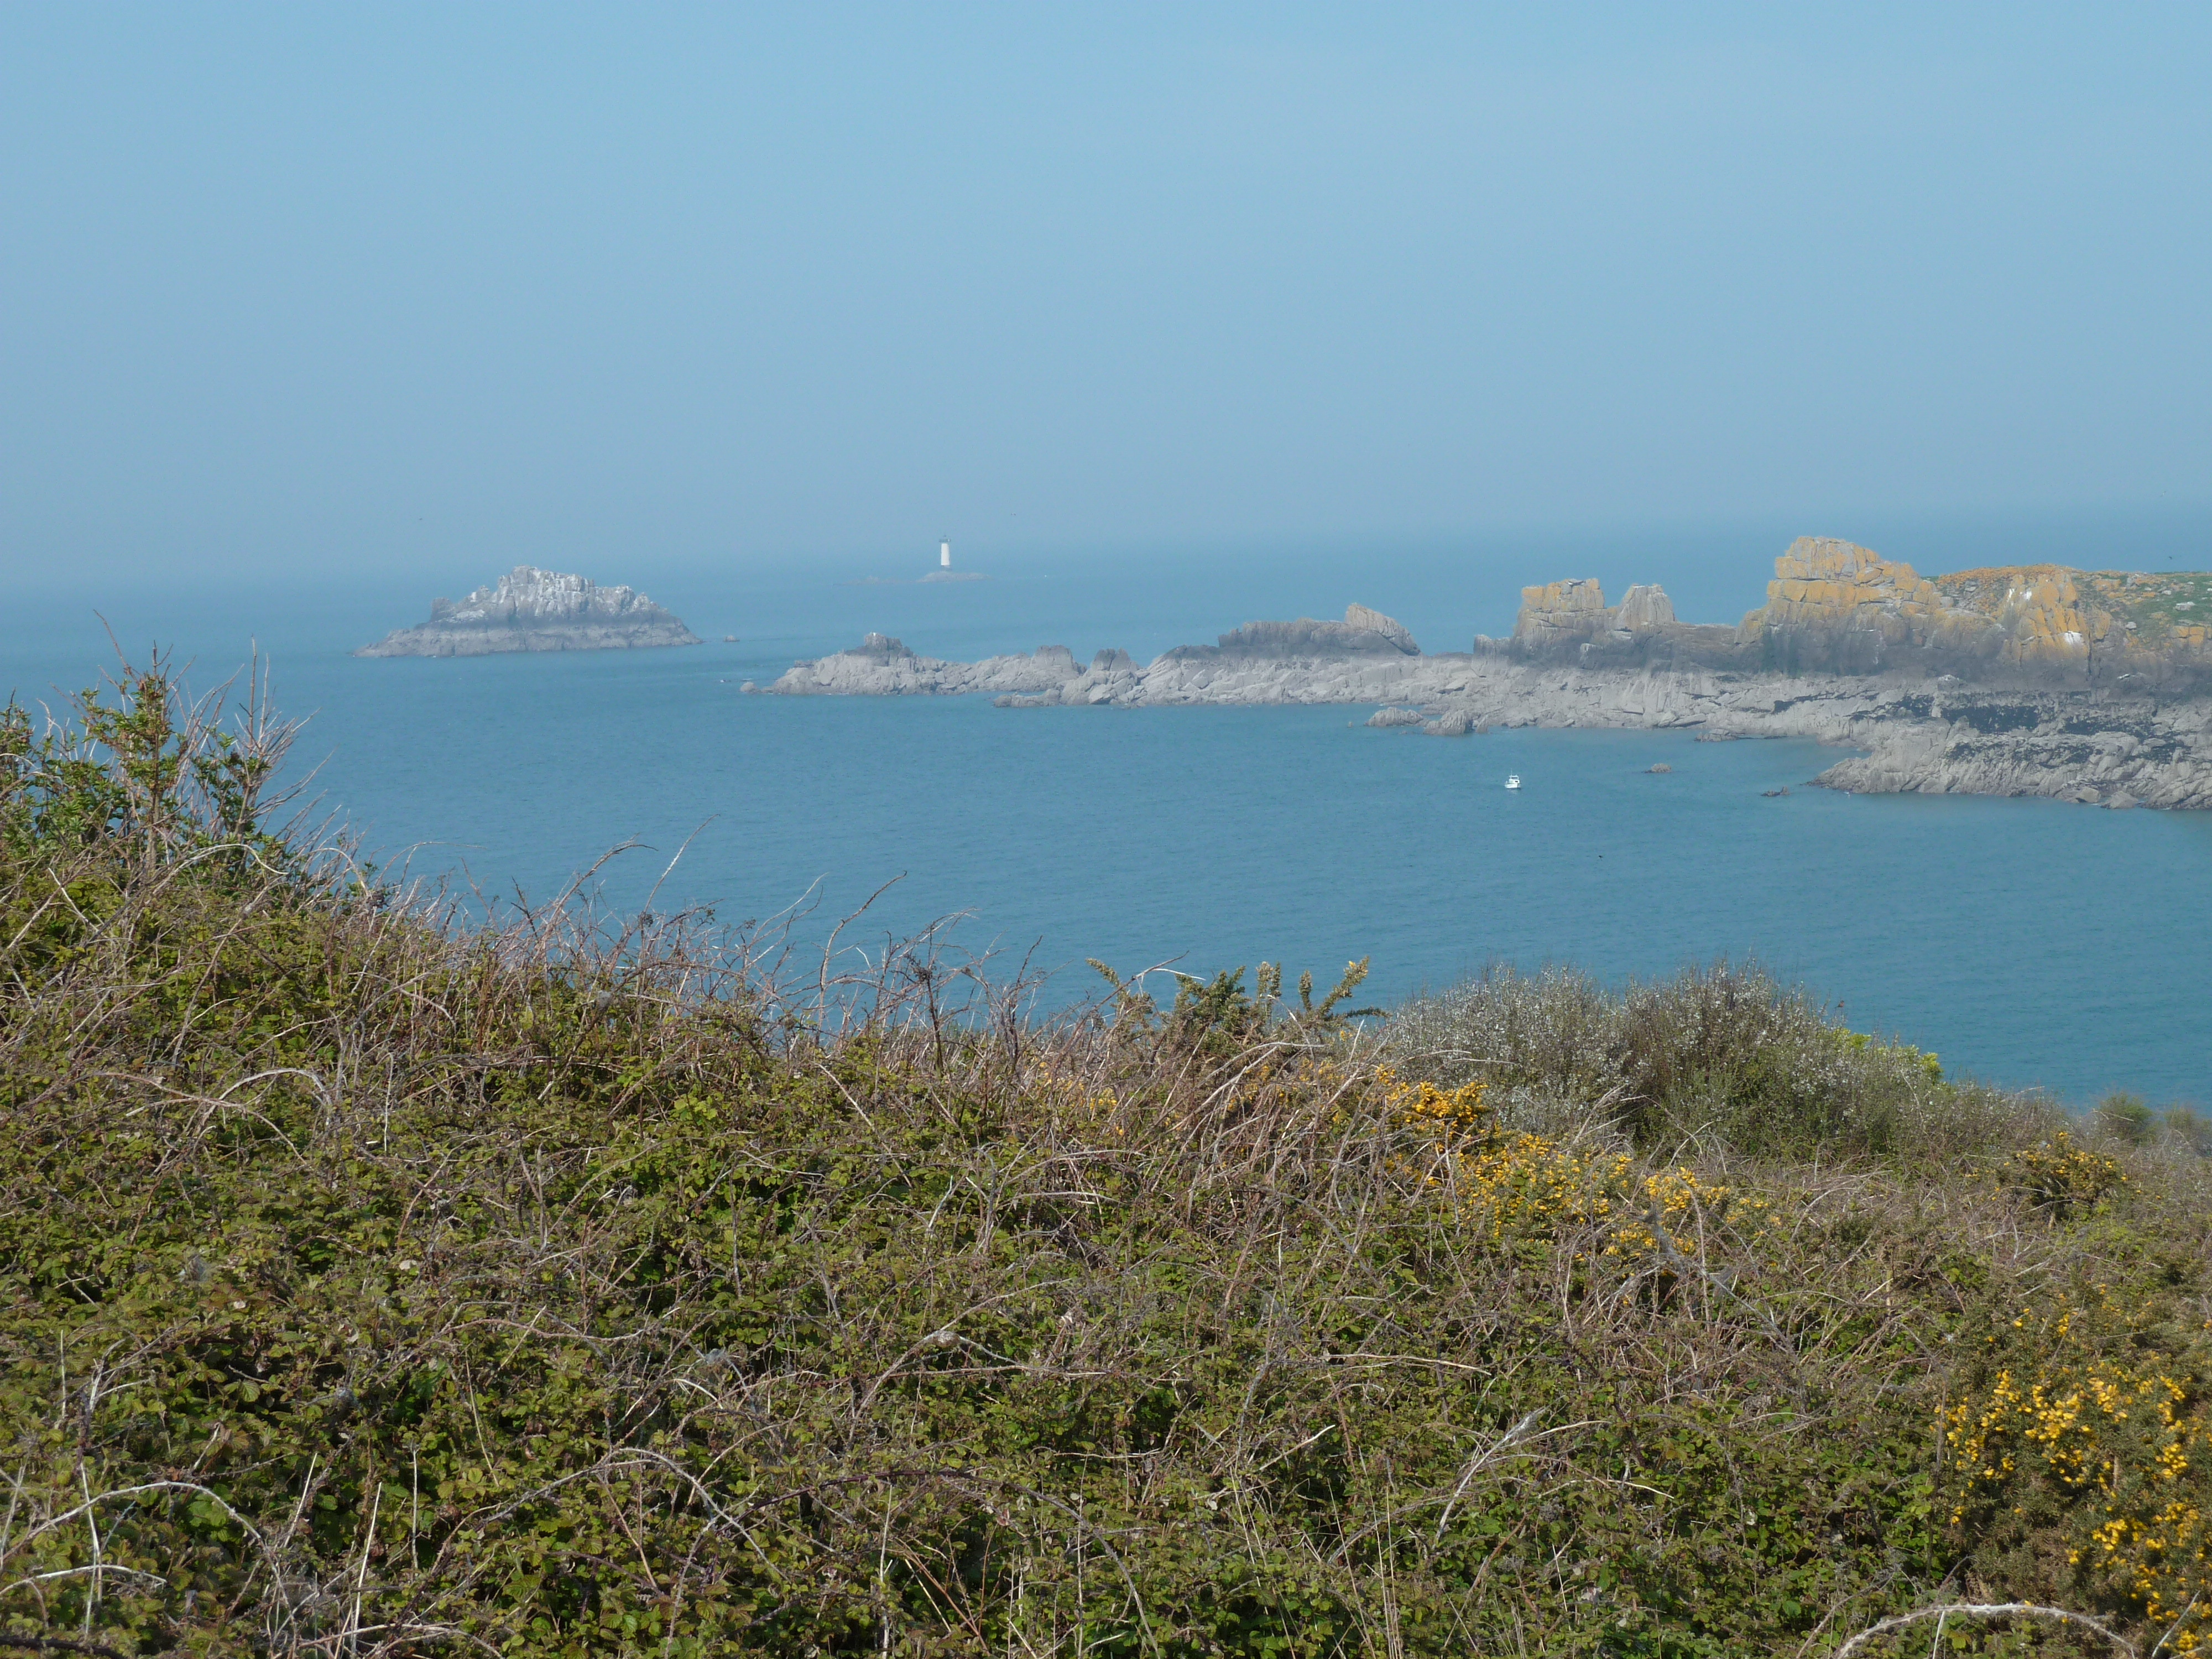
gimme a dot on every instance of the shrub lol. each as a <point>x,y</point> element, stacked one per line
<point>371,1284</point>
<point>1721,1056</point>
<point>2060,1175</point>
<point>2190,1128</point>
<point>2126,1119</point>
<point>2084,1424</point>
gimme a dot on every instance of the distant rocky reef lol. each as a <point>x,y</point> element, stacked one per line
<point>533,610</point>
<point>1330,662</point>
<point>1362,633</point>
<point>2035,679</point>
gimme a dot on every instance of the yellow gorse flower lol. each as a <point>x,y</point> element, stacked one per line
<point>2119,1443</point>
<point>2061,1173</point>
<point>1521,1183</point>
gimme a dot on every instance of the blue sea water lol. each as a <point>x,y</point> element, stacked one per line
<point>2026,942</point>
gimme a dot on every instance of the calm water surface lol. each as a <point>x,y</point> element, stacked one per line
<point>2025,941</point>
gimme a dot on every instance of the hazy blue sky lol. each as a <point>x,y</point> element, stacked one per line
<point>438,286</point>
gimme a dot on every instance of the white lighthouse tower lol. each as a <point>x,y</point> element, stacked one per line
<point>945,555</point>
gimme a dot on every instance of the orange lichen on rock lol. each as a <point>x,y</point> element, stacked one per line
<point>1567,610</point>
<point>1823,581</point>
<point>1835,605</point>
<point>2039,611</point>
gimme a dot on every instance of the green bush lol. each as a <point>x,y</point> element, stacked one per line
<point>2190,1128</point>
<point>1721,1055</point>
<point>369,1285</point>
<point>2125,1118</point>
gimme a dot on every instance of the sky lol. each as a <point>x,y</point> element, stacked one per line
<point>415,289</point>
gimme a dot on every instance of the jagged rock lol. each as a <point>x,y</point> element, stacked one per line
<point>1363,620</point>
<point>1570,621</point>
<point>533,610</point>
<point>1390,717</point>
<point>1834,606</point>
<point>1561,613</point>
<point>1642,608</point>
<point>1110,681</point>
<point>1661,767</point>
<point>1452,723</point>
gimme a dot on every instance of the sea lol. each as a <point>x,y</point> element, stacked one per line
<point>2026,942</point>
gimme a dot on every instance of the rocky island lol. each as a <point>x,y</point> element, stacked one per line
<point>2039,679</point>
<point>533,610</point>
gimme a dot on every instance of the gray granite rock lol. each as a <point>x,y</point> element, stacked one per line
<point>1362,620</point>
<point>533,610</point>
<point>882,667</point>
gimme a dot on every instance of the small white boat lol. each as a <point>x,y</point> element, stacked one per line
<point>1512,780</point>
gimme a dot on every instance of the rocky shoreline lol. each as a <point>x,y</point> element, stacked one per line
<point>2028,686</point>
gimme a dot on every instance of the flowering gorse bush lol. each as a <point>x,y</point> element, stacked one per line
<point>1515,1184</point>
<point>2070,1430</point>
<point>2060,1174</point>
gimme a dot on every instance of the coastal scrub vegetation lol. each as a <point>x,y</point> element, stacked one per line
<point>375,1283</point>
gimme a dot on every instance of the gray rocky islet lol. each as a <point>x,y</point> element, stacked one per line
<point>533,610</point>
<point>2087,686</point>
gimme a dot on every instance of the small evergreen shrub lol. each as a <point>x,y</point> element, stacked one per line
<point>2126,1119</point>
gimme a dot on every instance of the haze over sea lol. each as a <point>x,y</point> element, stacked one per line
<point>2026,942</point>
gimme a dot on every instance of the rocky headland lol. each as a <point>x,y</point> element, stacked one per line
<point>2021,680</point>
<point>533,610</point>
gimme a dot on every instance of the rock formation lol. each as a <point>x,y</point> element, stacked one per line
<point>1569,620</point>
<point>1561,613</point>
<point>1256,660</point>
<point>533,610</point>
<point>2020,680</point>
<point>1644,609</point>
<point>1834,607</point>
<point>1361,620</point>
<point>884,668</point>
<point>1362,633</point>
